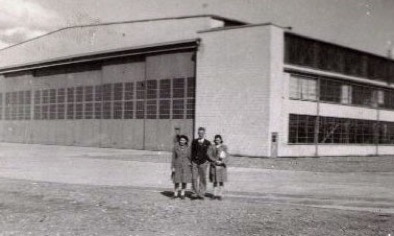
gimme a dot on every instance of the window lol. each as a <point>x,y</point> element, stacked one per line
<point>140,110</point>
<point>89,95</point>
<point>27,105</point>
<point>325,56</point>
<point>190,107</point>
<point>151,109</point>
<point>70,103</point>
<point>140,105</point>
<point>128,109</point>
<point>128,103</point>
<point>98,110</point>
<point>165,108</point>
<point>118,104</point>
<point>329,57</point>
<point>107,110</point>
<point>301,128</point>
<point>190,103</point>
<point>107,92</point>
<point>165,99</point>
<point>178,88</point>
<point>304,88</point>
<point>61,107</point>
<point>339,130</point>
<point>362,95</point>
<point>330,90</point>
<point>89,110</point>
<point>118,91</point>
<point>37,105</point>
<point>299,51</point>
<point>151,102</point>
<point>178,108</point>
<point>118,109</point>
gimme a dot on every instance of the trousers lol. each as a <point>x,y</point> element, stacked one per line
<point>199,178</point>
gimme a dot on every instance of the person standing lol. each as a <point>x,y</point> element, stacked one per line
<point>181,166</point>
<point>200,162</point>
<point>218,168</point>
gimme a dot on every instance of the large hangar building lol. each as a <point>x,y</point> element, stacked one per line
<point>268,90</point>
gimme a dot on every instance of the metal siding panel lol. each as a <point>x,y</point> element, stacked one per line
<point>160,133</point>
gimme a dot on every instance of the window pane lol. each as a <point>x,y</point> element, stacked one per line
<point>88,93</point>
<point>141,90</point>
<point>129,91</point>
<point>60,111</point>
<point>178,108</point>
<point>107,110</point>
<point>165,88</point>
<point>151,109</point>
<point>151,92</point>
<point>178,89</point>
<point>79,94</point>
<point>190,106</point>
<point>79,111</point>
<point>70,111</point>
<point>52,96</point>
<point>70,95</point>
<point>140,110</point>
<point>165,106</point>
<point>191,87</point>
<point>118,91</point>
<point>98,110</point>
<point>107,92</point>
<point>118,106</point>
<point>88,110</point>
<point>128,110</point>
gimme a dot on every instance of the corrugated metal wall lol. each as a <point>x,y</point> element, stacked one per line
<point>139,103</point>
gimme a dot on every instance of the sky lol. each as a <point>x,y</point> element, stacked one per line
<point>362,24</point>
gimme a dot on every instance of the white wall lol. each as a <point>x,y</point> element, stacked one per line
<point>233,87</point>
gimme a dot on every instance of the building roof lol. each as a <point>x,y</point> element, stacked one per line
<point>95,38</point>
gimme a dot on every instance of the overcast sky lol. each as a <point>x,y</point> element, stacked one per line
<point>363,24</point>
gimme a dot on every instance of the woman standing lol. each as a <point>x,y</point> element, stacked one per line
<point>218,168</point>
<point>181,166</point>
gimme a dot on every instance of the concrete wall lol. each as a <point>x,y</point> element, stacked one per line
<point>233,87</point>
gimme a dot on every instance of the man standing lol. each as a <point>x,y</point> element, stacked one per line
<point>200,162</point>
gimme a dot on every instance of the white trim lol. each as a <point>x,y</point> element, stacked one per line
<point>337,75</point>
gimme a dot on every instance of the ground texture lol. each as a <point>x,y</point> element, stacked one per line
<point>31,208</point>
<point>56,190</point>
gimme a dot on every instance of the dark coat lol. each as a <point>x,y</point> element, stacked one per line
<point>200,151</point>
<point>218,172</point>
<point>181,162</point>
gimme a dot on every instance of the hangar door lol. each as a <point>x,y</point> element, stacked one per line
<point>139,102</point>
<point>152,99</point>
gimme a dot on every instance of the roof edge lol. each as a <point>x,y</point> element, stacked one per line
<point>288,28</point>
<point>128,22</point>
<point>102,55</point>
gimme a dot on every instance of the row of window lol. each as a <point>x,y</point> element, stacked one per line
<point>324,56</point>
<point>152,99</point>
<point>303,128</point>
<point>336,91</point>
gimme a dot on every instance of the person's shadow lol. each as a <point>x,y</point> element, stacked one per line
<point>188,194</point>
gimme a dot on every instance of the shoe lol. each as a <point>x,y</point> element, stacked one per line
<point>219,198</point>
<point>201,198</point>
<point>182,197</point>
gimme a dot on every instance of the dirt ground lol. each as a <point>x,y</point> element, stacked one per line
<point>37,208</point>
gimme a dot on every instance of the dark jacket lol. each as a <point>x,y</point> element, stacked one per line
<point>200,151</point>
